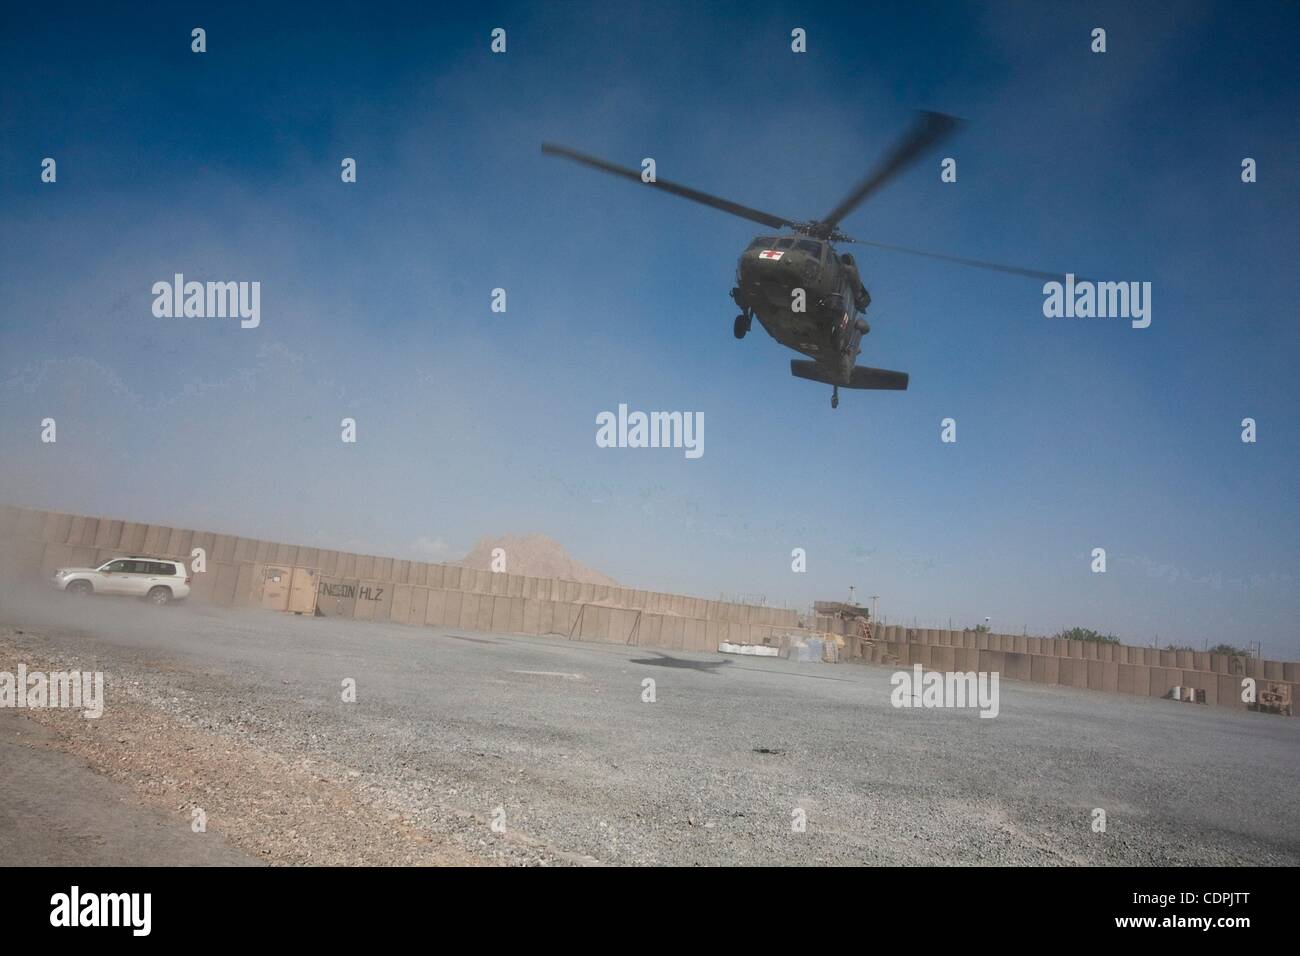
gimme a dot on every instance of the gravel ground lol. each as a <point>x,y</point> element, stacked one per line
<point>56,811</point>
<point>448,727</point>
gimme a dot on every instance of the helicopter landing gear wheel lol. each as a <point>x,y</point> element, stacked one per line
<point>835,396</point>
<point>741,326</point>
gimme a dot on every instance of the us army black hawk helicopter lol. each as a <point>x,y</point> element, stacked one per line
<point>807,296</point>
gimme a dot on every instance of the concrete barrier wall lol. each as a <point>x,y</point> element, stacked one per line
<point>107,534</point>
<point>373,588</point>
<point>1193,661</point>
<point>1111,677</point>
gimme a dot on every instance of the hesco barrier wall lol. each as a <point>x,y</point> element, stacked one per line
<point>1091,650</point>
<point>1116,668</point>
<point>369,587</point>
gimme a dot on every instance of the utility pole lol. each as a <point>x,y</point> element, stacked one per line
<point>873,605</point>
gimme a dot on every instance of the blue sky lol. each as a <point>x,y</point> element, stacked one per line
<point>1072,434</point>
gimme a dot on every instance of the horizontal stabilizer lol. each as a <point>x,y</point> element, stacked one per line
<point>863,377</point>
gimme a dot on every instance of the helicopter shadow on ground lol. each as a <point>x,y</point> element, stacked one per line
<point>663,660</point>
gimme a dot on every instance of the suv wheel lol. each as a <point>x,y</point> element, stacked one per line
<point>159,596</point>
<point>80,588</point>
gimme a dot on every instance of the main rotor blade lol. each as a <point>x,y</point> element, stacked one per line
<point>977,263</point>
<point>929,130</point>
<point>744,212</point>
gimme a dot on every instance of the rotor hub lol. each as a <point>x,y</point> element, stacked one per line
<point>821,230</point>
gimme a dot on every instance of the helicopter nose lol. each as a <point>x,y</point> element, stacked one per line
<point>774,263</point>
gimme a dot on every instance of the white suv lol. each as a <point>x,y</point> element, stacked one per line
<point>160,580</point>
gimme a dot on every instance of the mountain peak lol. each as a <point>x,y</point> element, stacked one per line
<point>534,555</point>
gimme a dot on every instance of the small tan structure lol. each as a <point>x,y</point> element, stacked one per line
<point>273,588</point>
<point>302,591</point>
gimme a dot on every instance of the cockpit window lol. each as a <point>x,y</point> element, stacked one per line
<point>810,247</point>
<point>763,242</point>
<point>784,243</point>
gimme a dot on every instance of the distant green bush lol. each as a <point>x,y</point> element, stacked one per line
<point>1229,649</point>
<point>1216,649</point>
<point>1086,634</point>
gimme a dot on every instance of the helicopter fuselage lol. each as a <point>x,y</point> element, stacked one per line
<point>807,297</point>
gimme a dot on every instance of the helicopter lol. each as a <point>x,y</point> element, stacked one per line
<point>806,294</point>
